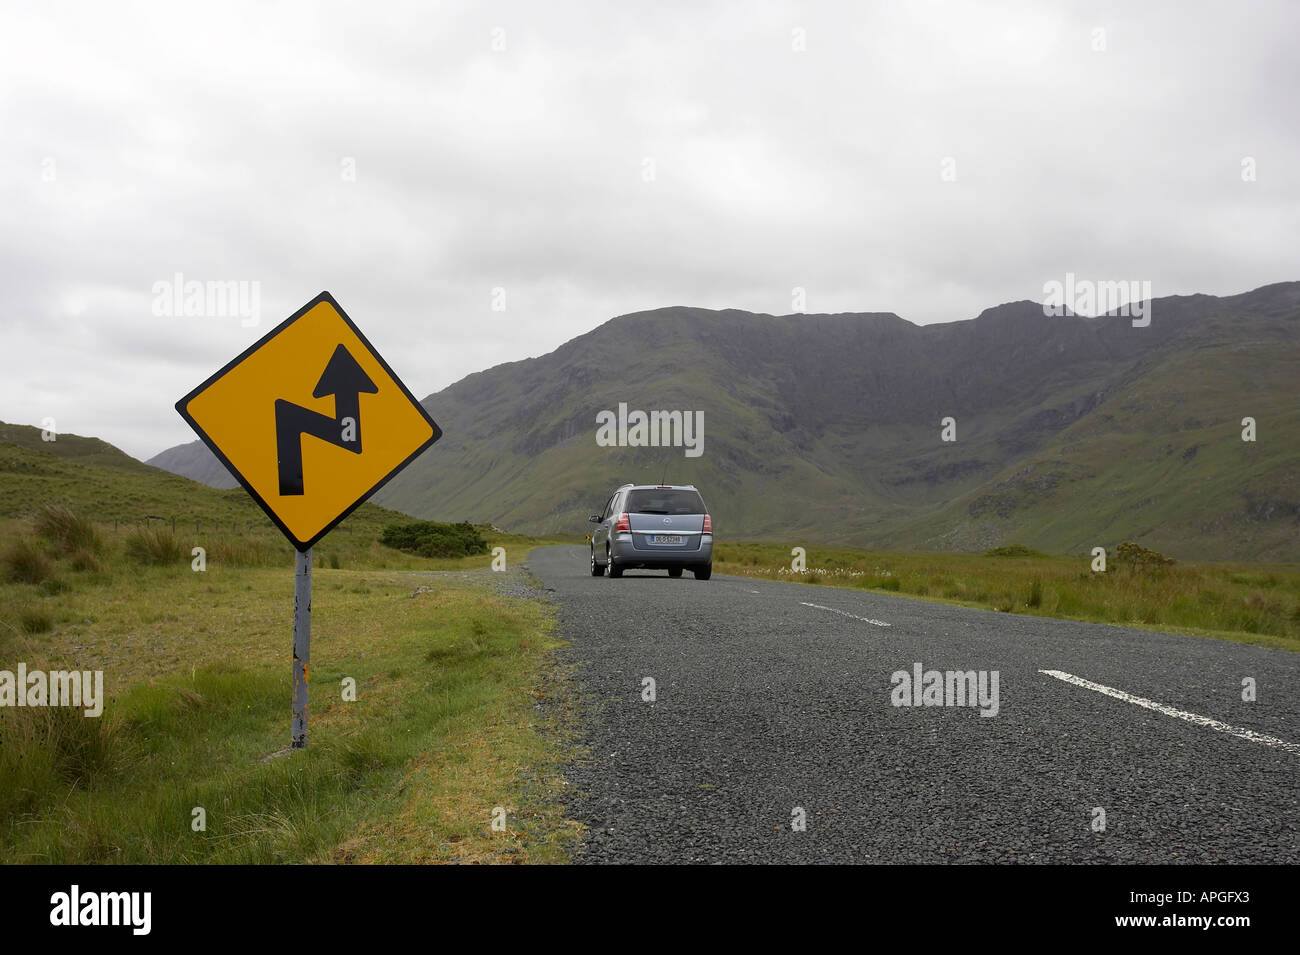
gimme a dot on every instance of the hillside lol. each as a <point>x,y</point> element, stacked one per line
<point>97,479</point>
<point>1071,431</point>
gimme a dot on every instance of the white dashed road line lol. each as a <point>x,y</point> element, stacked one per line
<point>845,613</point>
<point>1181,714</point>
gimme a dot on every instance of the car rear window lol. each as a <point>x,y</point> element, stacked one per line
<point>668,501</point>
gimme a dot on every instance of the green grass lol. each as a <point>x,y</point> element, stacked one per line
<point>1257,604</point>
<point>197,675</point>
<point>410,771</point>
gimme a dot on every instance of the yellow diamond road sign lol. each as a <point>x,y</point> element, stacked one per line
<point>310,420</point>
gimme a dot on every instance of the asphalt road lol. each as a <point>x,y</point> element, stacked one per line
<point>765,706</point>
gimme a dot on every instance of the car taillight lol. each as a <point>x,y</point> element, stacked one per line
<point>708,525</point>
<point>623,525</point>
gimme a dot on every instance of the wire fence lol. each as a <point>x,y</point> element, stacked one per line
<point>229,526</point>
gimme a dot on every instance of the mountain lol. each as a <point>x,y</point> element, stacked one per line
<point>196,462</point>
<point>1071,432</point>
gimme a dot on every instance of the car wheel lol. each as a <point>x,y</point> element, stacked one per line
<point>674,571</point>
<point>703,573</point>
<point>614,569</point>
<point>596,569</point>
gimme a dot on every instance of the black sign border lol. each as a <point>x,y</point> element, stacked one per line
<point>182,407</point>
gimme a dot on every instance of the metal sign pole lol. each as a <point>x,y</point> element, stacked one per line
<point>271,375</point>
<point>301,645</point>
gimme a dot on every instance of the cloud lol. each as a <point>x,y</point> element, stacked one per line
<point>597,160</point>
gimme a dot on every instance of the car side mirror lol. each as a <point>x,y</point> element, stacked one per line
<point>594,518</point>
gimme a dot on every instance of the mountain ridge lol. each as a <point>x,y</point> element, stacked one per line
<point>827,427</point>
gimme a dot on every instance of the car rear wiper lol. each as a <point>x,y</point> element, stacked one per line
<point>651,512</point>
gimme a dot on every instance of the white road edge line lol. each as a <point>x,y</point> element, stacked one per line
<point>845,613</point>
<point>1181,714</point>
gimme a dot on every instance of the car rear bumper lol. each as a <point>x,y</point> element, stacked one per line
<point>626,555</point>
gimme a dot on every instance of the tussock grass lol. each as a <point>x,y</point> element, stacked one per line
<point>85,560</point>
<point>52,750</point>
<point>68,531</point>
<point>25,562</point>
<point>154,545</point>
<point>35,620</point>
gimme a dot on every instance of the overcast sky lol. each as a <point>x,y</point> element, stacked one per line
<point>597,159</point>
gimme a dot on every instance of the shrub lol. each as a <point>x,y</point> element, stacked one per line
<point>154,545</point>
<point>67,530</point>
<point>26,563</point>
<point>1136,556</point>
<point>1013,550</point>
<point>432,539</point>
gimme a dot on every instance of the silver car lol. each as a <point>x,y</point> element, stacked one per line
<point>654,526</point>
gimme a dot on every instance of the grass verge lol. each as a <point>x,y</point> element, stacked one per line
<point>1258,604</point>
<point>455,718</point>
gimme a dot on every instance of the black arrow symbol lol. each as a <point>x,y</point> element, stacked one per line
<point>345,380</point>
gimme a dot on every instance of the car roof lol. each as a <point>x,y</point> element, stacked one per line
<point>658,487</point>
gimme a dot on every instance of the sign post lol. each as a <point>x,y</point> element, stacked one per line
<point>285,417</point>
<point>301,646</point>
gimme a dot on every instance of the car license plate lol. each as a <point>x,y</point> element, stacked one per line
<point>665,538</point>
